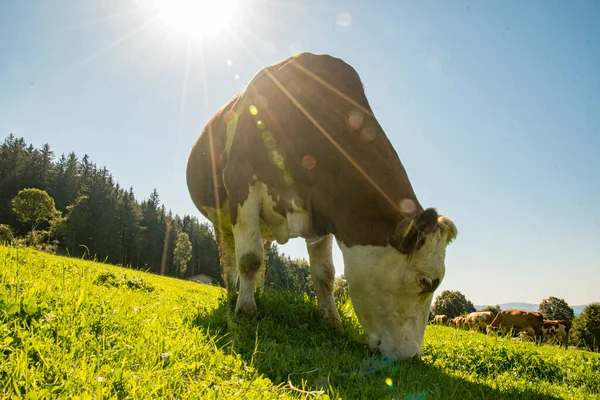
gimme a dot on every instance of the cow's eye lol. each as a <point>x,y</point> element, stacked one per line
<point>428,284</point>
<point>425,281</point>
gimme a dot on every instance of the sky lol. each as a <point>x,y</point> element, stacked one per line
<point>493,108</point>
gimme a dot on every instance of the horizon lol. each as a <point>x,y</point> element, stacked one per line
<point>493,110</point>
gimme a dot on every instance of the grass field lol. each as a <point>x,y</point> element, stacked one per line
<point>79,329</point>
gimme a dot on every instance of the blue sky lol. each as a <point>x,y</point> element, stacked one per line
<point>493,108</point>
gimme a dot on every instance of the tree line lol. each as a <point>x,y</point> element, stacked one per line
<point>93,216</point>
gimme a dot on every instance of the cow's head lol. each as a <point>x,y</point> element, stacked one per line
<point>392,286</point>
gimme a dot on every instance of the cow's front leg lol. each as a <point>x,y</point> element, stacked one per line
<point>323,274</point>
<point>248,250</point>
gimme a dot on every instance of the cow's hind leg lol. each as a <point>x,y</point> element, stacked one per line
<point>323,274</point>
<point>229,270</point>
<point>259,282</point>
<point>248,250</point>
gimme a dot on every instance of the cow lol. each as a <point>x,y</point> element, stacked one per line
<point>300,154</point>
<point>440,320</point>
<point>557,329</point>
<point>458,322</point>
<point>518,320</point>
<point>479,320</point>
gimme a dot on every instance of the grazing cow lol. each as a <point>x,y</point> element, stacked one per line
<point>299,153</point>
<point>557,329</point>
<point>440,320</point>
<point>458,322</point>
<point>479,320</point>
<point>518,320</point>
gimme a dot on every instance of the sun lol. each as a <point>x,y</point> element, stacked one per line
<point>198,18</point>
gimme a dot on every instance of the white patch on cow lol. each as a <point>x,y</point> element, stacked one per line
<point>283,228</point>
<point>479,319</point>
<point>557,331</point>
<point>387,296</point>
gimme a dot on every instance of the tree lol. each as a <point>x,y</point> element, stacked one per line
<point>340,286</point>
<point>288,274</point>
<point>183,252</point>
<point>555,308</point>
<point>452,304</point>
<point>495,309</point>
<point>78,220</point>
<point>586,327</point>
<point>6,235</point>
<point>33,206</point>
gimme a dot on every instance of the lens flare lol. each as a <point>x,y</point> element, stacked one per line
<point>389,382</point>
<point>308,162</point>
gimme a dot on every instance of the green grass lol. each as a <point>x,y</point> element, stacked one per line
<point>78,329</point>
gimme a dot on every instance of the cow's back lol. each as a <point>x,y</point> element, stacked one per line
<point>519,320</point>
<point>304,128</point>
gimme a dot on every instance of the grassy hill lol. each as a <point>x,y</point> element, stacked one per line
<point>79,329</point>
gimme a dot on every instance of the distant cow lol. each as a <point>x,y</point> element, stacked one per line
<point>300,154</point>
<point>557,329</point>
<point>518,320</point>
<point>458,322</point>
<point>479,320</point>
<point>440,320</point>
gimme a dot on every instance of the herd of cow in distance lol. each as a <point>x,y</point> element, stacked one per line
<point>529,325</point>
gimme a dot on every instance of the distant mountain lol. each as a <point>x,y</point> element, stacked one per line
<point>529,307</point>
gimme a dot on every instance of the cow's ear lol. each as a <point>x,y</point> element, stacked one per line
<point>411,234</point>
<point>448,228</point>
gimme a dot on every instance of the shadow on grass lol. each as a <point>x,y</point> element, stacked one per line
<point>287,336</point>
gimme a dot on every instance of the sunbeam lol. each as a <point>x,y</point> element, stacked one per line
<point>115,43</point>
<point>107,18</point>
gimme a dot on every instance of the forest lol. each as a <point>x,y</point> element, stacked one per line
<point>98,218</point>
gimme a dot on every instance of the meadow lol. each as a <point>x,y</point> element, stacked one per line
<point>81,329</point>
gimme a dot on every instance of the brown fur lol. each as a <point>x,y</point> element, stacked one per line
<point>458,322</point>
<point>440,320</point>
<point>519,320</point>
<point>333,188</point>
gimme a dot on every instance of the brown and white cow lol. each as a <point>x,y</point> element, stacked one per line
<point>458,322</point>
<point>518,320</point>
<point>557,329</point>
<point>440,320</point>
<point>479,320</point>
<point>299,153</point>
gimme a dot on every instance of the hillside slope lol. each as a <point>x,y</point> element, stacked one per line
<point>77,328</point>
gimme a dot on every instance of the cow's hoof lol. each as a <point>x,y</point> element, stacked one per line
<point>332,320</point>
<point>246,309</point>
